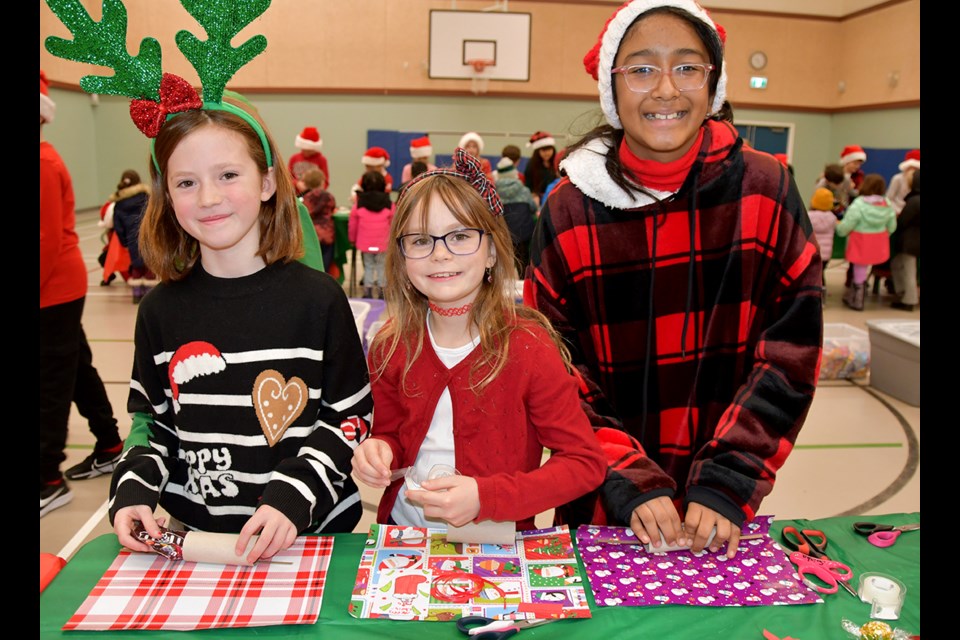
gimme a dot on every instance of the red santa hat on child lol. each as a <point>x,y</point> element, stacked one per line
<point>309,139</point>
<point>911,159</point>
<point>376,157</point>
<point>48,108</point>
<point>541,139</point>
<point>420,148</point>
<point>467,137</point>
<point>852,152</point>
<point>603,53</point>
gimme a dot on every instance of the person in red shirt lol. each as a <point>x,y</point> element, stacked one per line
<point>66,370</point>
<point>309,142</point>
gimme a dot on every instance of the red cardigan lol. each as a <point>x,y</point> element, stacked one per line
<point>499,435</point>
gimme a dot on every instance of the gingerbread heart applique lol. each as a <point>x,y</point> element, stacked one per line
<point>278,403</point>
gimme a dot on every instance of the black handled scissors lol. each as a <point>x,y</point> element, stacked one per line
<point>882,535</point>
<point>810,542</point>
<point>482,628</point>
<point>813,543</point>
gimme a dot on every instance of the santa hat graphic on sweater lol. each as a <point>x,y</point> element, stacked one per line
<point>541,139</point>
<point>192,360</point>
<point>309,139</point>
<point>603,53</point>
<point>376,157</point>
<point>48,108</point>
<point>911,159</point>
<point>421,148</point>
<point>471,136</point>
<point>852,152</point>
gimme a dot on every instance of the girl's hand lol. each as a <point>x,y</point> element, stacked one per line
<point>656,516</point>
<point>371,463</point>
<point>699,524</point>
<point>455,499</point>
<point>276,530</point>
<point>123,526</point>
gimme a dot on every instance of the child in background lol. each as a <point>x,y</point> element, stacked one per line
<point>540,169</point>
<point>309,142</point>
<point>682,269</point>
<point>446,391</point>
<point>374,159</point>
<point>512,151</point>
<point>420,150</point>
<point>900,183</point>
<point>824,224</point>
<point>322,205</point>
<point>840,186</point>
<point>472,143</point>
<point>129,203</point>
<point>867,225</point>
<point>369,230</point>
<point>519,210</point>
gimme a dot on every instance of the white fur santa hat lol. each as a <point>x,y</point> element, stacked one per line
<point>48,108</point>
<point>467,137</point>
<point>911,159</point>
<point>852,152</point>
<point>309,139</point>
<point>376,157</point>
<point>421,148</point>
<point>541,139</point>
<point>602,55</point>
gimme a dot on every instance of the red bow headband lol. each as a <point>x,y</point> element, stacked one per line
<point>467,167</point>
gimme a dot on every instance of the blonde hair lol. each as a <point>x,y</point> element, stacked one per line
<point>494,311</point>
<point>168,250</point>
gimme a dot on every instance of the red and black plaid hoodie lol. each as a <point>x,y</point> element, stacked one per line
<point>695,321</point>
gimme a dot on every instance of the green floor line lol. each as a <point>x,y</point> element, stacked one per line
<point>853,445</point>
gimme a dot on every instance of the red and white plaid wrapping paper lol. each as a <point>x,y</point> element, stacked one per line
<point>145,591</point>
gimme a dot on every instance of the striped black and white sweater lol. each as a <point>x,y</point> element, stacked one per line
<point>246,391</point>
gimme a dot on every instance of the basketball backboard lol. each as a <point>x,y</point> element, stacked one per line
<point>500,39</point>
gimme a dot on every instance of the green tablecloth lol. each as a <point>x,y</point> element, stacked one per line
<point>68,590</point>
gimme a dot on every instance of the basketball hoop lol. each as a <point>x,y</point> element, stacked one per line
<point>479,82</point>
<point>479,64</point>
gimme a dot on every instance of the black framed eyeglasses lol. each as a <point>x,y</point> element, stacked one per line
<point>643,78</point>
<point>459,242</point>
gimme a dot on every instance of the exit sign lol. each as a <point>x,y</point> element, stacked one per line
<point>758,82</point>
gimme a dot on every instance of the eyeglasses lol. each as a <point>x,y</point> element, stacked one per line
<point>460,242</point>
<point>643,78</point>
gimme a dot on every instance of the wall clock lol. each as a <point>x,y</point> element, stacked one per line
<point>758,60</point>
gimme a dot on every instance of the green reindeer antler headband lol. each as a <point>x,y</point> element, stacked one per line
<point>157,96</point>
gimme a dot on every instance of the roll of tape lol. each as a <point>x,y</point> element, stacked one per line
<point>884,593</point>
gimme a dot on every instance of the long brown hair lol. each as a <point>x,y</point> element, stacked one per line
<point>169,251</point>
<point>494,311</point>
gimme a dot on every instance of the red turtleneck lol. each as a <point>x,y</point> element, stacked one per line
<point>662,176</point>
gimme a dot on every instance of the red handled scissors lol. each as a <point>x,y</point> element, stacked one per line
<point>830,572</point>
<point>882,535</point>
<point>809,554</point>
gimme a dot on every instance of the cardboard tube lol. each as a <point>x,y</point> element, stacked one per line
<point>487,531</point>
<point>217,548</point>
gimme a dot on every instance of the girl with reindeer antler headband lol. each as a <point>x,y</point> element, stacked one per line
<point>249,390</point>
<point>463,376</point>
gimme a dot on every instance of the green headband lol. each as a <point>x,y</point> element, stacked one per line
<point>229,108</point>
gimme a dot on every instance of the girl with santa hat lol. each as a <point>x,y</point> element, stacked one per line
<point>683,270</point>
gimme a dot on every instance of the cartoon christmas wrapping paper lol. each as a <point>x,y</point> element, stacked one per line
<point>412,573</point>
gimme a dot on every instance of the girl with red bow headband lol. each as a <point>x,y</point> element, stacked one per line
<point>464,376</point>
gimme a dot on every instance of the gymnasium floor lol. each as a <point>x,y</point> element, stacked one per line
<point>858,453</point>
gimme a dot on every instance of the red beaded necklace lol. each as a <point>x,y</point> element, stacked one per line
<point>452,311</point>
